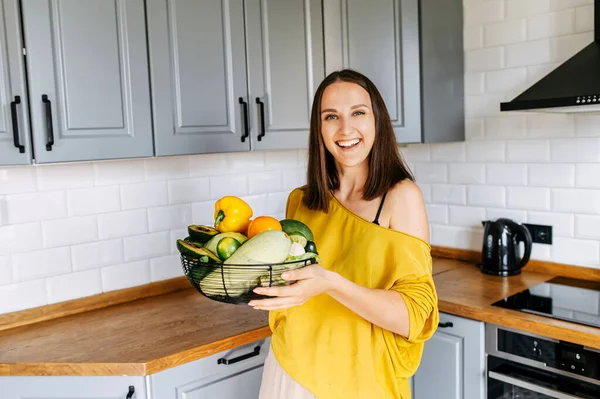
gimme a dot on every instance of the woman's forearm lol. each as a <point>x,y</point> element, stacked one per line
<point>384,308</point>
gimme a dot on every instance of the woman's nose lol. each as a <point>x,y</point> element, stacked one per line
<point>346,126</point>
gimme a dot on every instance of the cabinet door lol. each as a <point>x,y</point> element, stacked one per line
<point>285,66</point>
<point>455,359</point>
<point>72,387</point>
<point>198,74</point>
<point>88,74</point>
<point>380,39</point>
<point>15,143</point>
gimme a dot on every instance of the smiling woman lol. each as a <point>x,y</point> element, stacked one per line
<point>355,325</point>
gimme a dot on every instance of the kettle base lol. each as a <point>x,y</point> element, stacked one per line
<point>500,273</point>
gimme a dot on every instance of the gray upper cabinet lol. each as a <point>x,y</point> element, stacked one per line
<point>286,65</point>
<point>15,143</point>
<point>88,79</point>
<point>412,50</point>
<point>198,75</point>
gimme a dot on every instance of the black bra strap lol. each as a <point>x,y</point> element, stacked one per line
<point>376,221</point>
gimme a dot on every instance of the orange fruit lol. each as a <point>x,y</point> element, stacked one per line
<point>263,223</point>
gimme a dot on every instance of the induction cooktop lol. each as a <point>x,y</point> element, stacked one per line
<point>563,298</point>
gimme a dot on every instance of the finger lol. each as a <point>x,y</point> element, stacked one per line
<point>299,274</point>
<point>275,302</point>
<point>277,291</point>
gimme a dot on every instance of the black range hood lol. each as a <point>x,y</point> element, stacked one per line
<point>574,86</point>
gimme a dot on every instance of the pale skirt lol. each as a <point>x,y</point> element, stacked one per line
<point>277,384</point>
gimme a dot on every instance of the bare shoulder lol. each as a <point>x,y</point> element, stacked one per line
<point>407,210</point>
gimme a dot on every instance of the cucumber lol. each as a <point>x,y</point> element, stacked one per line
<point>295,227</point>
<point>201,233</point>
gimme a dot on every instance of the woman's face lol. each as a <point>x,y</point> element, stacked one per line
<point>347,123</point>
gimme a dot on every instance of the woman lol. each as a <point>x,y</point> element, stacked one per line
<point>353,327</point>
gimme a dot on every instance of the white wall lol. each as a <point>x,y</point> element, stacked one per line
<point>531,167</point>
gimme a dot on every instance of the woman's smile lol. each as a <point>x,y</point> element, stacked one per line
<point>348,144</point>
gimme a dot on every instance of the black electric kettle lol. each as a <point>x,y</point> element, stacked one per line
<point>501,252</point>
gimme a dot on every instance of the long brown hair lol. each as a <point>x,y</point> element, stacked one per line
<point>386,166</point>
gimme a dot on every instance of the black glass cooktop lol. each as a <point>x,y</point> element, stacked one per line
<point>563,298</point>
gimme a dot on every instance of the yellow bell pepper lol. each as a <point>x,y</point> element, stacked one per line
<point>232,214</point>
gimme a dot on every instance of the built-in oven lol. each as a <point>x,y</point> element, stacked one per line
<point>521,365</point>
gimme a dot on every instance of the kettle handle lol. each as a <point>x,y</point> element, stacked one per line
<point>526,238</point>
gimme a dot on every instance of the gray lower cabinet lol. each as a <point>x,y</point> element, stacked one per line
<point>88,79</point>
<point>15,143</point>
<point>73,387</point>
<point>234,374</point>
<point>412,50</point>
<point>453,363</point>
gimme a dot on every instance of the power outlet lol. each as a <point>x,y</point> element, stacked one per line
<point>540,233</point>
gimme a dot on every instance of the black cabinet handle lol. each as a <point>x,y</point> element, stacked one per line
<point>48,105</point>
<point>261,106</point>
<point>445,325</point>
<point>131,392</point>
<point>15,123</point>
<point>246,121</point>
<point>256,352</point>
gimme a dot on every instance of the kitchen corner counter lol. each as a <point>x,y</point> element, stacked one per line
<point>145,336</point>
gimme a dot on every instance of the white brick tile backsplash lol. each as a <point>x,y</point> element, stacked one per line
<point>456,237</point>
<point>496,213</point>
<point>474,83</point>
<point>246,162</point>
<point>73,285</point>
<point>203,212</point>
<point>505,127</point>
<point>486,195</point>
<point>167,168</point>
<point>486,151</point>
<point>473,38</point>
<point>505,80</point>
<point>466,173</point>
<point>576,251</point>
<point>552,24</point>
<point>17,180</point>
<point>294,178</point>
<point>122,224</point>
<point>37,264</point>
<point>584,18</point>
<point>20,238</point>
<point>36,206</point>
<point>62,176</point>
<point>265,182</point>
<point>169,217</point>
<point>5,271</point>
<point>550,125</point>
<point>524,8</point>
<point>511,31</point>
<point>528,198</point>
<point>576,200</point>
<point>487,59</point>
<point>474,129</point>
<point>74,230</point>
<point>563,224</point>
<point>165,267</point>
<point>125,275</point>
<point>15,297</point>
<point>537,72</point>
<point>431,172</point>
<point>437,214</point>
<point>221,186</point>
<point>97,254</point>
<point>466,216</point>
<point>89,201</point>
<point>208,164</point>
<point>508,174</point>
<point>575,150</point>
<point>277,202</point>
<point>551,175</point>
<point>528,151</point>
<point>587,125</point>
<point>425,191</point>
<point>587,226</point>
<point>448,152</point>
<point>483,105</point>
<point>108,173</point>
<point>587,175</point>
<point>564,47</point>
<point>147,246</point>
<point>282,159</point>
<point>144,195</point>
<point>416,152</point>
<point>449,194</point>
<point>541,252</point>
<point>259,205</point>
<point>561,4</point>
<point>528,53</point>
<point>188,190</point>
<point>485,12</point>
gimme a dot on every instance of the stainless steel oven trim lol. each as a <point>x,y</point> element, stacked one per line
<point>529,386</point>
<point>491,348</point>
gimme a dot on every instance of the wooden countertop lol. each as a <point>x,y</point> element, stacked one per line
<point>148,335</point>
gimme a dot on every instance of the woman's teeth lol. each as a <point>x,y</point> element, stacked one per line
<point>348,143</point>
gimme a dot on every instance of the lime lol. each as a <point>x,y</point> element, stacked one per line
<point>226,247</point>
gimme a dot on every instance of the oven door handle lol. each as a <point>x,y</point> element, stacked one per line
<point>532,387</point>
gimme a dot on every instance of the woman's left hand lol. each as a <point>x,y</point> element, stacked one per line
<point>311,281</point>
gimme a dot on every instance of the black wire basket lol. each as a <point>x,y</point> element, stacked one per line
<point>235,283</point>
